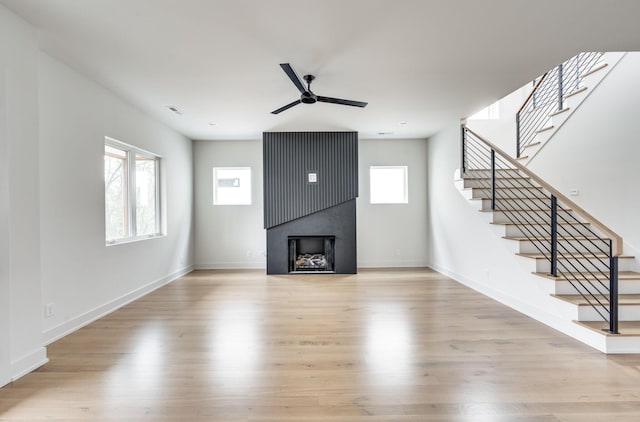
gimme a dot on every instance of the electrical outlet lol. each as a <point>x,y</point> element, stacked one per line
<point>49,310</point>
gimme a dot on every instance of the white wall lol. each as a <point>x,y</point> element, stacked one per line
<point>229,236</point>
<point>19,216</point>
<point>596,152</point>
<point>5,292</point>
<point>502,132</point>
<point>80,275</point>
<point>52,241</point>
<point>234,237</point>
<point>393,235</point>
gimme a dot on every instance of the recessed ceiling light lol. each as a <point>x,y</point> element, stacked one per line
<point>175,110</point>
<point>385,133</point>
<point>212,124</point>
<point>403,122</point>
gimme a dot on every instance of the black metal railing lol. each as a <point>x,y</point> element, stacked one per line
<point>548,96</point>
<point>580,250</point>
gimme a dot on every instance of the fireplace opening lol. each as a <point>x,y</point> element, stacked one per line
<point>311,254</point>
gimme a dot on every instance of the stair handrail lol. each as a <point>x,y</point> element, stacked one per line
<point>533,91</point>
<point>617,242</point>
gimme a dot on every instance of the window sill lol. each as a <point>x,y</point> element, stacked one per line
<point>133,239</point>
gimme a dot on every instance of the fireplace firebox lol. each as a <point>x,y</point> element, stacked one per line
<point>311,254</point>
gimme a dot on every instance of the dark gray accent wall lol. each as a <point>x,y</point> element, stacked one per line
<point>289,157</point>
<point>338,221</point>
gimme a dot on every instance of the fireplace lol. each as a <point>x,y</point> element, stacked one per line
<point>311,254</point>
<point>310,190</point>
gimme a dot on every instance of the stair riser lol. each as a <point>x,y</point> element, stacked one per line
<point>565,247</point>
<point>544,266</point>
<point>625,313</point>
<point>534,216</point>
<point>500,182</point>
<point>544,230</point>
<point>510,204</point>
<point>509,173</point>
<point>510,194</point>
<point>624,287</point>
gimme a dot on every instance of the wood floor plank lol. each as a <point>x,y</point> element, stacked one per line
<point>382,345</point>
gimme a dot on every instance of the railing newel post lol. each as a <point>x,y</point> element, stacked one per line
<point>613,291</point>
<point>463,138</point>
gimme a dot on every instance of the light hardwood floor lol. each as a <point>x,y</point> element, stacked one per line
<point>382,345</point>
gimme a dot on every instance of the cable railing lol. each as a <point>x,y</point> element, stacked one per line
<point>577,247</point>
<point>548,96</point>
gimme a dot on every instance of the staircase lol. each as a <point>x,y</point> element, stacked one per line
<point>586,284</point>
<point>556,96</point>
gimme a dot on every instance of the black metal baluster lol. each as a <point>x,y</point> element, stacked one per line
<point>493,179</point>
<point>613,292</point>
<point>518,135</point>
<point>464,139</point>
<point>560,88</point>
<point>554,236</point>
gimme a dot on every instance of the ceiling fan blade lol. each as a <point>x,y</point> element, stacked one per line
<point>341,101</point>
<point>294,77</point>
<point>287,107</point>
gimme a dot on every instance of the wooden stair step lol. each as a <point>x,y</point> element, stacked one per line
<point>562,223</point>
<point>542,239</point>
<point>622,275</point>
<point>544,129</point>
<point>576,92</point>
<point>623,299</point>
<point>521,210</point>
<point>594,69</point>
<point>555,113</point>
<point>531,145</point>
<point>626,328</point>
<point>582,256</point>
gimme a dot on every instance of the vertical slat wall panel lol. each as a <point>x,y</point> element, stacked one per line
<point>289,156</point>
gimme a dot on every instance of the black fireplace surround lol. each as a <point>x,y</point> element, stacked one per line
<point>310,191</point>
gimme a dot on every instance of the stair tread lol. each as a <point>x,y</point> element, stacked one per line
<point>560,223</point>
<point>521,210</point>
<point>531,145</point>
<point>623,299</point>
<point>576,92</point>
<point>507,187</point>
<point>555,113</point>
<point>544,129</point>
<point>622,275</point>
<point>626,328</point>
<point>594,69</point>
<point>586,255</point>
<point>542,238</point>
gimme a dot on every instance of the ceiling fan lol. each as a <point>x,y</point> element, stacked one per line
<point>306,95</point>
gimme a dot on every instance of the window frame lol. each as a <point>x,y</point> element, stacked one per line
<point>131,152</point>
<point>405,168</point>
<point>215,186</point>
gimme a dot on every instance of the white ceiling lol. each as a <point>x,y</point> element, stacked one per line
<point>426,62</point>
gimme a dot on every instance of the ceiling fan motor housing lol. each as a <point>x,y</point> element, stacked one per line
<point>308,97</point>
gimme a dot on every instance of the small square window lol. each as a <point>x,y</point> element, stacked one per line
<point>232,186</point>
<point>388,185</point>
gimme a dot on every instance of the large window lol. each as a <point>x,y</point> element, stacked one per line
<point>231,186</point>
<point>388,185</point>
<point>131,191</point>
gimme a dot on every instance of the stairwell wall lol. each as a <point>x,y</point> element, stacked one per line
<point>462,243</point>
<point>596,153</point>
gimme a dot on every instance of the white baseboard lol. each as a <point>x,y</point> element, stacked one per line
<point>392,264</point>
<point>59,331</point>
<point>233,266</point>
<point>28,363</point>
